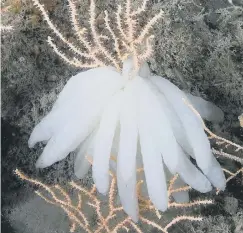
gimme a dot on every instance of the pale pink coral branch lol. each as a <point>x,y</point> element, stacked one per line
<point>153,224</point>
<point>5,28</point>
<point>190,204</point>
<point>149,25</point>
<point>129,21</point>
<point>80,32</point>
<point>119,24</point>
<point>96,37</point>
<point>72,61</point>
<point>149,49</point>
<point>232,176</point>
<point>181,218</point>
<point>115,38</point>
<point>227,155</point>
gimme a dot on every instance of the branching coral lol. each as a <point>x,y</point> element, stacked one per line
<point>56,195</point>
<point>125,42</point>
<point>111,221</point>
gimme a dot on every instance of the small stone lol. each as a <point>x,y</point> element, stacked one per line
<point>230,205</point>
<point>100,22</point>
<point>52,78</point>
<point>36,50</point>
<point>241,120</point>
<point>21,59</point>
<point>239,227</point>
<point>238,222</point>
